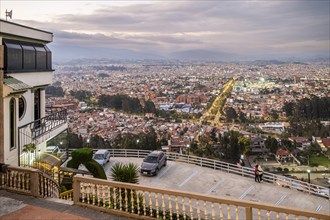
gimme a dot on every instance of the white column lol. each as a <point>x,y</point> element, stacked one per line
<point>42,103</point>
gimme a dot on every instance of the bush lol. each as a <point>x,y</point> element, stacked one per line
<point>82,154</point>
<point>286,170</point>
<point>314,164</point>
<point>279,169</point>
<point>96,169</point>
<point>73,164</point>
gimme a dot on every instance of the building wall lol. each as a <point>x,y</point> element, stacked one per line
<point>10,156</point>
<point>34,79</point>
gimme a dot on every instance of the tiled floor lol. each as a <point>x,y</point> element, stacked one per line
<point>33,212</point>
<point>19,207</point>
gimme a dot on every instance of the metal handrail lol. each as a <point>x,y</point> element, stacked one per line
<point>275,179</point>
<point>30,132</point>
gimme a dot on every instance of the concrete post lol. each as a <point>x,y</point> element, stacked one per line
<point>76,190</point>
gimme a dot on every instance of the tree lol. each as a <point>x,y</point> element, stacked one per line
<point>271,144</point>
<point>244,144</point>
<point>274,114</point>
<point>242,117</point>
<point>231,114</point>
<point>54,91</point>
<point>288,108</point>
<point>149,107</point>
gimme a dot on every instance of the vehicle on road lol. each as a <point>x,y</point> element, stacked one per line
<point>153,163</point>
<point>102,157</point>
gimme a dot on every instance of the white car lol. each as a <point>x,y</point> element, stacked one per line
<point>102,157</point>
<point>55,150</point>
<point>323,192</point>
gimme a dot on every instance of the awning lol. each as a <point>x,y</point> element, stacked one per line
<point>14,86</point>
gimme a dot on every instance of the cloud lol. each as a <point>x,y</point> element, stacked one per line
<point>231,26</point>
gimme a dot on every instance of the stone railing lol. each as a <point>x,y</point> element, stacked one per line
<point>67,195</point>
<point>143,202</point>
<point>28,181</point>
<point>230,168</point>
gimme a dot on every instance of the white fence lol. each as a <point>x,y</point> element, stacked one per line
<point>230,168</point>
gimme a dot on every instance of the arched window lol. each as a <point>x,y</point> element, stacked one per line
<point>21,107</point>
<point>12,122</point>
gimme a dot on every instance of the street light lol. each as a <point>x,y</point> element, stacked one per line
<point>188,146</point>
<point>88,142</point>
<point>309,175</point>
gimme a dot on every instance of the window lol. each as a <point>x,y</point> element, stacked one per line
<point>24,56</point>
<point>13,55</point>
<point>37,109</point>
<point>21,107</point>
<point>29,56</point>
<point>49,58</point>
<point>41,57</point>
<point>12,123</point>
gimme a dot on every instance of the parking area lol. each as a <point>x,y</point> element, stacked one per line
<point>192,178</point>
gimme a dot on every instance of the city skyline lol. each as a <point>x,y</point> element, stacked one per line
<point>157,29</point>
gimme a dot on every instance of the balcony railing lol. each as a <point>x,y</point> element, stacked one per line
<point>230,168</point>
<point>35,130</point>
<point>29,181</point>
<point>143,202</point>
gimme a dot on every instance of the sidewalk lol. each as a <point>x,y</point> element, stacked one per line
<point>14,206</point>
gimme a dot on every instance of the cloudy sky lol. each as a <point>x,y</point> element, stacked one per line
<point>161,27</point>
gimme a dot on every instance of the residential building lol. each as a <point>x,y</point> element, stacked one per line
<point>25,72</point>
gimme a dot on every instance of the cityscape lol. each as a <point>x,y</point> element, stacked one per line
<point>165,110</point>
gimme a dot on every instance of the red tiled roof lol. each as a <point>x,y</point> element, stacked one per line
<point>326,142</point>
<point>282,152</point>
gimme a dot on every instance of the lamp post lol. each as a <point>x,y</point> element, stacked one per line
<point>309,175</point>
<point>88,142</point>
<point>188,146</point>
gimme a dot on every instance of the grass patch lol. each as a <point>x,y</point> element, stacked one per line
<point>321,160</point>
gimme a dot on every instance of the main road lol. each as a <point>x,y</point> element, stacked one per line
<point>218,104</point>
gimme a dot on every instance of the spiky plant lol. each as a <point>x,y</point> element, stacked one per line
<point>127,173</point>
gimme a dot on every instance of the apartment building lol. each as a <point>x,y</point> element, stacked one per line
<point>25,72</point>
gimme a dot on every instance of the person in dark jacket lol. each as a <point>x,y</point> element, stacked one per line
<point>260,172</point>
<point>256,174</point>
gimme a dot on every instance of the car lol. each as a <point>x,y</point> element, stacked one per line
<point>153,162</point>
<point>102,157</point>
<point>54,150</point>
<point>324,192</point>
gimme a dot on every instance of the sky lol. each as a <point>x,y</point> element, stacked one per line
<point>270,27</point>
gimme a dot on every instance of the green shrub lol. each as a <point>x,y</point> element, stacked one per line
<point>128,173</point>
<point>82,154</point>
<point>314,164</point>
<point>73,164</point>
<point>96,169</point>
<point>286,170</point>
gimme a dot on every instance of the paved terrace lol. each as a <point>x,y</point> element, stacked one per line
<point>176,176</point>
<point>193,178</point>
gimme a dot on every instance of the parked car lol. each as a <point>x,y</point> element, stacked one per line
<point>153,163</point>
<point>102,157</point>
<point>54,150</point>
<point>324,192</point>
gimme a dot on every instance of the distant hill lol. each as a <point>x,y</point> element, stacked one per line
<point>64,54</point>
<point>206,55</point>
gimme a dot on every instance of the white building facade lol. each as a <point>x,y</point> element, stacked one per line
<point>26,70</point>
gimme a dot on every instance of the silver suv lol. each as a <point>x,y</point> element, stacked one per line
<point>153,163</point>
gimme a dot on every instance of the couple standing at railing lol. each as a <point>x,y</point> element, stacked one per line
<point>258,173</point>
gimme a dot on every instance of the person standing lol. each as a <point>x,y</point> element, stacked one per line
<point>256,174</point>
<point>260,172</point>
